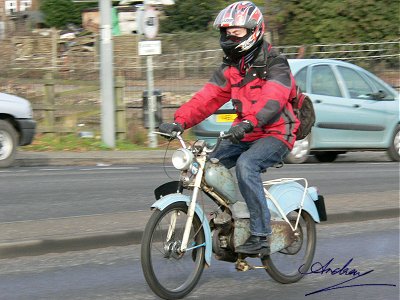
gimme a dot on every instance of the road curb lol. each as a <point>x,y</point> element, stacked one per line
<point>358,216</point>
<point>40,247</point>
<point>66,158</point>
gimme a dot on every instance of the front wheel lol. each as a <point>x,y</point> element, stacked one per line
<point>8,144</point>
<point>290,264</point>
<point>170,273</point>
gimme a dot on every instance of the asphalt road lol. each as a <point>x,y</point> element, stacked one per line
<point>115,272</point>
<point>33,193</point>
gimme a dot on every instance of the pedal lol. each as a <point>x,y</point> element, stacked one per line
<point>243,266</point>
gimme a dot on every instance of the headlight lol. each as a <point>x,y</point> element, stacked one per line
<point>182,158</point>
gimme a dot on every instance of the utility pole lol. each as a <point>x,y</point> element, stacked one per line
<point>107,75</point>
<point>149,27</point>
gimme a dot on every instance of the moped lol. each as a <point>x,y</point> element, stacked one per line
<point>179,238</point>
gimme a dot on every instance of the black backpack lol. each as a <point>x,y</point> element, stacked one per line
<point>304,111</point>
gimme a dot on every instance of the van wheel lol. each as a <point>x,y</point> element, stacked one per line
<point>8,144</point>
<point>300,152</point>
<point>394,149</point>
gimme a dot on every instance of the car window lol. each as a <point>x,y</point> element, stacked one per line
<point>356,84</point>
<point>380,87</point>
<point>323,82</point>
<point>301,79</point>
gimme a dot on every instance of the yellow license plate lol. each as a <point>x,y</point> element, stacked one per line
<point>225,118</point>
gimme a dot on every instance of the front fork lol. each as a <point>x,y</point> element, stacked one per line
<point>193,201</point>
<point>190,211</point>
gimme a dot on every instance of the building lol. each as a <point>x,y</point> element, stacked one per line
<point>13,11</point>
<point>9,8</point>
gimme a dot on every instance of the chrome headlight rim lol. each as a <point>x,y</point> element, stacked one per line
<point>182,159</point>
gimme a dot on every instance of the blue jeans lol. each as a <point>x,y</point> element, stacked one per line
<point>251,159</point>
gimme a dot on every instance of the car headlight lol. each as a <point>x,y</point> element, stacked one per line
<point>182,158</point>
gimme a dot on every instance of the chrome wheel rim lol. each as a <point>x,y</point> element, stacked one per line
<point>5,145</point>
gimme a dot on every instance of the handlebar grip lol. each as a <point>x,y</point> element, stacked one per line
<point>173,135</point>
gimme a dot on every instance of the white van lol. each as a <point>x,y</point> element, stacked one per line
<point>17,127</point>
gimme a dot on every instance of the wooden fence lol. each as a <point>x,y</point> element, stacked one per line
<point>72,106</point>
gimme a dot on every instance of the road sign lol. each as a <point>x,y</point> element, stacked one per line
<point>149,47</point>
<point>150,22</point>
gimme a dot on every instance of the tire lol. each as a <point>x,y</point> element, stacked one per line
<point>8,144</point>
<point>283,266</point>
<point>394,149</point>
<point>326,156</point>
<point>300,152</point>
<point>170,274</point>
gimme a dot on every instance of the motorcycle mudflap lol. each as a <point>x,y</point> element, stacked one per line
<point>166,189</point>
<point>320,204</point>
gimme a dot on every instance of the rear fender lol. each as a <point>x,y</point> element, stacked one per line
<point>167,200</point>
<point>289,195</point>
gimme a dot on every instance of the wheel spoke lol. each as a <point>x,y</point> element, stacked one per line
<point>169,271</point>
<point>284,265</point>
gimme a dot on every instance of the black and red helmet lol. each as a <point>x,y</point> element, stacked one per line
<point>240,14</point>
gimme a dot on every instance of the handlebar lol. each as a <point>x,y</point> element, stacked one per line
<point>177,135</point>
<point>173,135</point>
<point>222,136</point>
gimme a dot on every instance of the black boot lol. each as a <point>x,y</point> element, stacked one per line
<point>254,245</point>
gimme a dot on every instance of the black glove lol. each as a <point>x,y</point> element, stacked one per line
<point>169,128</point>
<point>239,130</point>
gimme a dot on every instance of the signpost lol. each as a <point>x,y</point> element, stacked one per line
<point>107,76</point>
<point>149,27</point>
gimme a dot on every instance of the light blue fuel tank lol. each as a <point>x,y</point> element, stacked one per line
<point>221,179</point>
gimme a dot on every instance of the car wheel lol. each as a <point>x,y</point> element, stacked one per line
<point>326,156</point>
<point>300,152</point>
<point>394,150</point>
<point>8,144</point>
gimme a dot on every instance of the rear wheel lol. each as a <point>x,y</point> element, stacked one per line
<point>290,264</point>
<point>170,273</point>
<point>8,144</point>
<point>326,156</point>
<point>394,150</point>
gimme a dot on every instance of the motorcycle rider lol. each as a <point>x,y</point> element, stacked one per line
<point>259,82</point>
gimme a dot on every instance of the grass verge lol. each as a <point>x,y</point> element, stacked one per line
<point>73,142</point>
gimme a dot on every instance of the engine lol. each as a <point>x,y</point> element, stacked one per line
<point>222,234</point>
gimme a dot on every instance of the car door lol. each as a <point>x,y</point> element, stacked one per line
<point>343,120</point>
<point>331,108</point>
<point>374,112</point>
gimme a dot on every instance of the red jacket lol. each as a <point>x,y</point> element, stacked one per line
<point>262,101</point>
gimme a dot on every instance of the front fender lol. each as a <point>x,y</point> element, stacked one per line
<point>289,195</point>
<point>167,200</point>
